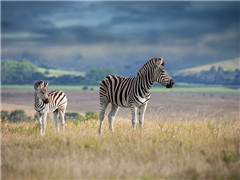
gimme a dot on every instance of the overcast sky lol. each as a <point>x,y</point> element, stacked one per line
<point>72,33</point>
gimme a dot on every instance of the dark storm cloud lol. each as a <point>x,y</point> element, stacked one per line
<point>151,19</point>
<point>175,27</point>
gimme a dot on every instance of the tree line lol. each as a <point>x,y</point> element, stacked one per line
<point>24,72</point>
<point>212,76</point>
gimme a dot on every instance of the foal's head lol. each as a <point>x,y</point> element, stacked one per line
<point>41,90</point>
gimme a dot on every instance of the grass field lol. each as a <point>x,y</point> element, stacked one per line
<point>188,149</point>
<point>186,135</point>
<point>179,88</point>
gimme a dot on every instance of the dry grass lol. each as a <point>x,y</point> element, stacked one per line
<point>163,149</point>
<point>185,136</point>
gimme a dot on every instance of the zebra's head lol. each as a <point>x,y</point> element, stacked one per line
<point>160,73</point>
<point>41,90</point>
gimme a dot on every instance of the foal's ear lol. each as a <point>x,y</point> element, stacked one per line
<point>39,84</point>
<point>45,84</point>
<point>159,61</point>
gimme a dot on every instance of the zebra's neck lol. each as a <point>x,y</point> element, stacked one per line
<point>38,103</point>
<point>145,82</point>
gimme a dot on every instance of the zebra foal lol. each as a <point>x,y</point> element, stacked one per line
<point>55,101</point>
<point>133,92</point>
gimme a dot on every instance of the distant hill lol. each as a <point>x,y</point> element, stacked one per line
<point>227,65</point>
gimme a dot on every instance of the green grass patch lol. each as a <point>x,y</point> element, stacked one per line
<point>20,87</point>
<point>208,90</point>
<point>58,72</point>
<point>60,87</point>
<point>179,88</point>
<point>199,88</point>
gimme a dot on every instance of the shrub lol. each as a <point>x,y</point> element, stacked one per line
<point>19,116</point>
<point>85,88</point>
<point>73,116</point>
<point>91,115</point>
<point>15,116</point>
<point>4,116</point>
<point>76,117</point>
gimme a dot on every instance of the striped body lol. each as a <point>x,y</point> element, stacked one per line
<point>125,92</point>
<point>133,92</point>
<point>55,101</point>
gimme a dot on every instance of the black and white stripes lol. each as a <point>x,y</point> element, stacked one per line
<point>132,92</point>
<point>55,101</point>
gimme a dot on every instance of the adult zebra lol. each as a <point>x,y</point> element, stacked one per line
<point>55,101</point>
<point>133,92</point>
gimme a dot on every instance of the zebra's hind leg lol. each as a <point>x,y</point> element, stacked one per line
<point>61,116</point>
<point>134,116</point>
<point>112,115</point>
<point>141,113</point>
<point>55,115</point>
<point>101,115</point>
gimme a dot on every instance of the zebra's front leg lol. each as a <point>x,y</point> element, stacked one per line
<point>134,116</point>
<point>141,113</point>
<point>39,116</point>
<point>102,114</point>
<point>44,119</point>
<point>55,115</point>
<point>112,115</point>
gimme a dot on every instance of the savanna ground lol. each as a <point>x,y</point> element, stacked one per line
<point>185,136</point>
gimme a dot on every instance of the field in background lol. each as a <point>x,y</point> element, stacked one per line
<point>185,136</point>
<point>227,65</point>
<point>179,88</point>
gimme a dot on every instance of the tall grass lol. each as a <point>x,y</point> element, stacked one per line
<point>185,149</point>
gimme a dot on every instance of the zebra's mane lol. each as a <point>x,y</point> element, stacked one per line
<point>150,63</point>
<point>38,83</point>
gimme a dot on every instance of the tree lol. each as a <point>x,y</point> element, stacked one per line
<point>17,72</point>
<point>96,75</point>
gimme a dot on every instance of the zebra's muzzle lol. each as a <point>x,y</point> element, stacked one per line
<point>171,83</point>
<point>46,101</point>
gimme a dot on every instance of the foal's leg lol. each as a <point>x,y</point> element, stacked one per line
<point>39,116</point>
<point>61,116</point>
<point>44,123</point>
<point>55,115</point>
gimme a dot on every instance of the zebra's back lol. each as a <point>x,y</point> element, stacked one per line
<point>117,90</point>
<point>57,100</point>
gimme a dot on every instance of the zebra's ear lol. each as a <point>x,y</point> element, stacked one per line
<point>38,84</point>
<point>45,84</point>
<point>159,61</point>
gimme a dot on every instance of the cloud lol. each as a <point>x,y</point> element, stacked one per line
<point>186,33</point>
